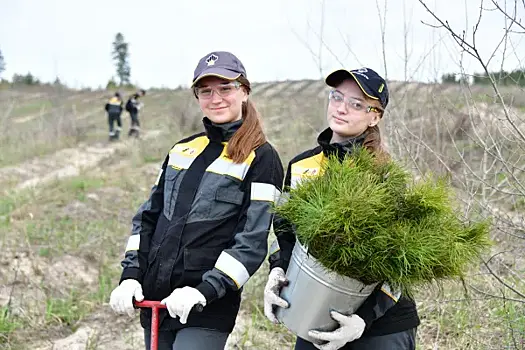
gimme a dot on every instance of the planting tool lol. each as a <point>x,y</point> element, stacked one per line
<point>155,306</point>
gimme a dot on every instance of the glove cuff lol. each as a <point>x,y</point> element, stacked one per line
<point>130,273</point>
<point>278,271</point>
<point>208,291</point>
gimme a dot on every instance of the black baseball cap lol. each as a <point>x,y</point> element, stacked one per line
<point>371,83</point>
<point>221,64</point>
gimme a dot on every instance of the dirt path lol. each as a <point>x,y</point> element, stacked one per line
<point>63,163</point>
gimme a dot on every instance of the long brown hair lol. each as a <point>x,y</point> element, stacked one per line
<point>373,141</point>
<point>250,135</point>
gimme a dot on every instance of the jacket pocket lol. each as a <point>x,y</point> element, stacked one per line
<point>197,262</point>
<point>228,202</point>
<point>170,191</point>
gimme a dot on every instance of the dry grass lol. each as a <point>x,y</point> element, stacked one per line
<point>61,242</point>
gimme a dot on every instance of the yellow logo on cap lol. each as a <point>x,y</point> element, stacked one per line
<point>381,88</point>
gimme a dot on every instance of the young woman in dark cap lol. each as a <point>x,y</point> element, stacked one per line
<point>203,231</point>
<point>386,320</point>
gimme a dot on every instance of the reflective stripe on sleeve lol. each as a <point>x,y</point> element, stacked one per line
<point>233,268</point>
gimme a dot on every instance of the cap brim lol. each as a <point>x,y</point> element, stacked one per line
<point>217,72</point>
<point>336,77</point>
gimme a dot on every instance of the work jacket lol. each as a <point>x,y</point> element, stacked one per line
<point>114,106</point>
<point>385,311</point>
<point>205,225</point>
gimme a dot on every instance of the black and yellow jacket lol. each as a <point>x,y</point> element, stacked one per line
<point>205,225</point>
<point>385,311</point>
<point>114,106</point>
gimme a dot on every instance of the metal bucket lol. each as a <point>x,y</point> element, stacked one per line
<point>313,292</point>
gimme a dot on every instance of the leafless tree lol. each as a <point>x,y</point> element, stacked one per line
<point>382,24</point>
<point>476,136</point>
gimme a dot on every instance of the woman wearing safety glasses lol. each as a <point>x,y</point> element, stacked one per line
<point>203,231</point>
<point>386,320</point>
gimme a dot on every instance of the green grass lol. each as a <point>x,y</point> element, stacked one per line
<point>97,240</point>
<point>8,324</point>
<point>43,225</point>
<point>519,205</point>
<point>80,186</point>
<point>451,320</point>
<point>7,204</point>
<point>67,310</point>
<point>31,107</point>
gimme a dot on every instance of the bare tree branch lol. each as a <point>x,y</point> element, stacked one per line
<point>512,18</point>
<point>349,48</point>
<point>472,50</point>
<point>521,301</point>
<point>382,25</point>
<point>500,280</point>
<point>321,33</point>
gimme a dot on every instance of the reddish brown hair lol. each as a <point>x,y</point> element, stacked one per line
<point>250,135</point>
<point>373,142</point>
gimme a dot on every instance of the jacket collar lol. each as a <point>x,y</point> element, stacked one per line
<point>338,148</point>
<point>220,132</point>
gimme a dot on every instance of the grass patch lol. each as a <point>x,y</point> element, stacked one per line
<point>518,205</point>
<point>66,311</point>
<point>41,223</point>
<point>81,185</point>
<point>455,321</point>
<point>67,235</point>
<point>258,332</point>
<point>8,324</point>
<point>31,107</point>
<point>7,204</point>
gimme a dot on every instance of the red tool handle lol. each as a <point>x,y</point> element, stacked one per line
<point>155,306</point>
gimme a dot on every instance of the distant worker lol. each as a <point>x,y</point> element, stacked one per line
<point>114,109</point>
<point>133,106</point>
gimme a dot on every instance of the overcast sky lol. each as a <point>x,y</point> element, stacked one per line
<point>275,39</point>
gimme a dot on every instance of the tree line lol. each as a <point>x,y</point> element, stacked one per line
<point>502,77</point>
<point>120,55</point>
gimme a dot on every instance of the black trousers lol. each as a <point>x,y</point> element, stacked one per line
<point>396,341</point>
<point>112,119</point>
<point>135,124</point>
<point>134,119</point>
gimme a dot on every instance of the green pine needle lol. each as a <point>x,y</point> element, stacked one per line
<point>371,221</point>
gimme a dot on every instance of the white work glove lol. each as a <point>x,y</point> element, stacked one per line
<point>351,328</point>
<point>276,281</point>
<point>121,299</point>
<point>181,301</point>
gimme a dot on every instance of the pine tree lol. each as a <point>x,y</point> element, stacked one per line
<point>121,56</point>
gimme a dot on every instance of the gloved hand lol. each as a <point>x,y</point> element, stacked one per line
<point>351,328</point>
<point>181,301</point>
<point>121,299</point>
<point>276,281</point>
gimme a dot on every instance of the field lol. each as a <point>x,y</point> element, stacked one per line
<point>68,196</point>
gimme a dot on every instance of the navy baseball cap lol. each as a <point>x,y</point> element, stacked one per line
<point>371,83</point>
<point>221,64</point>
